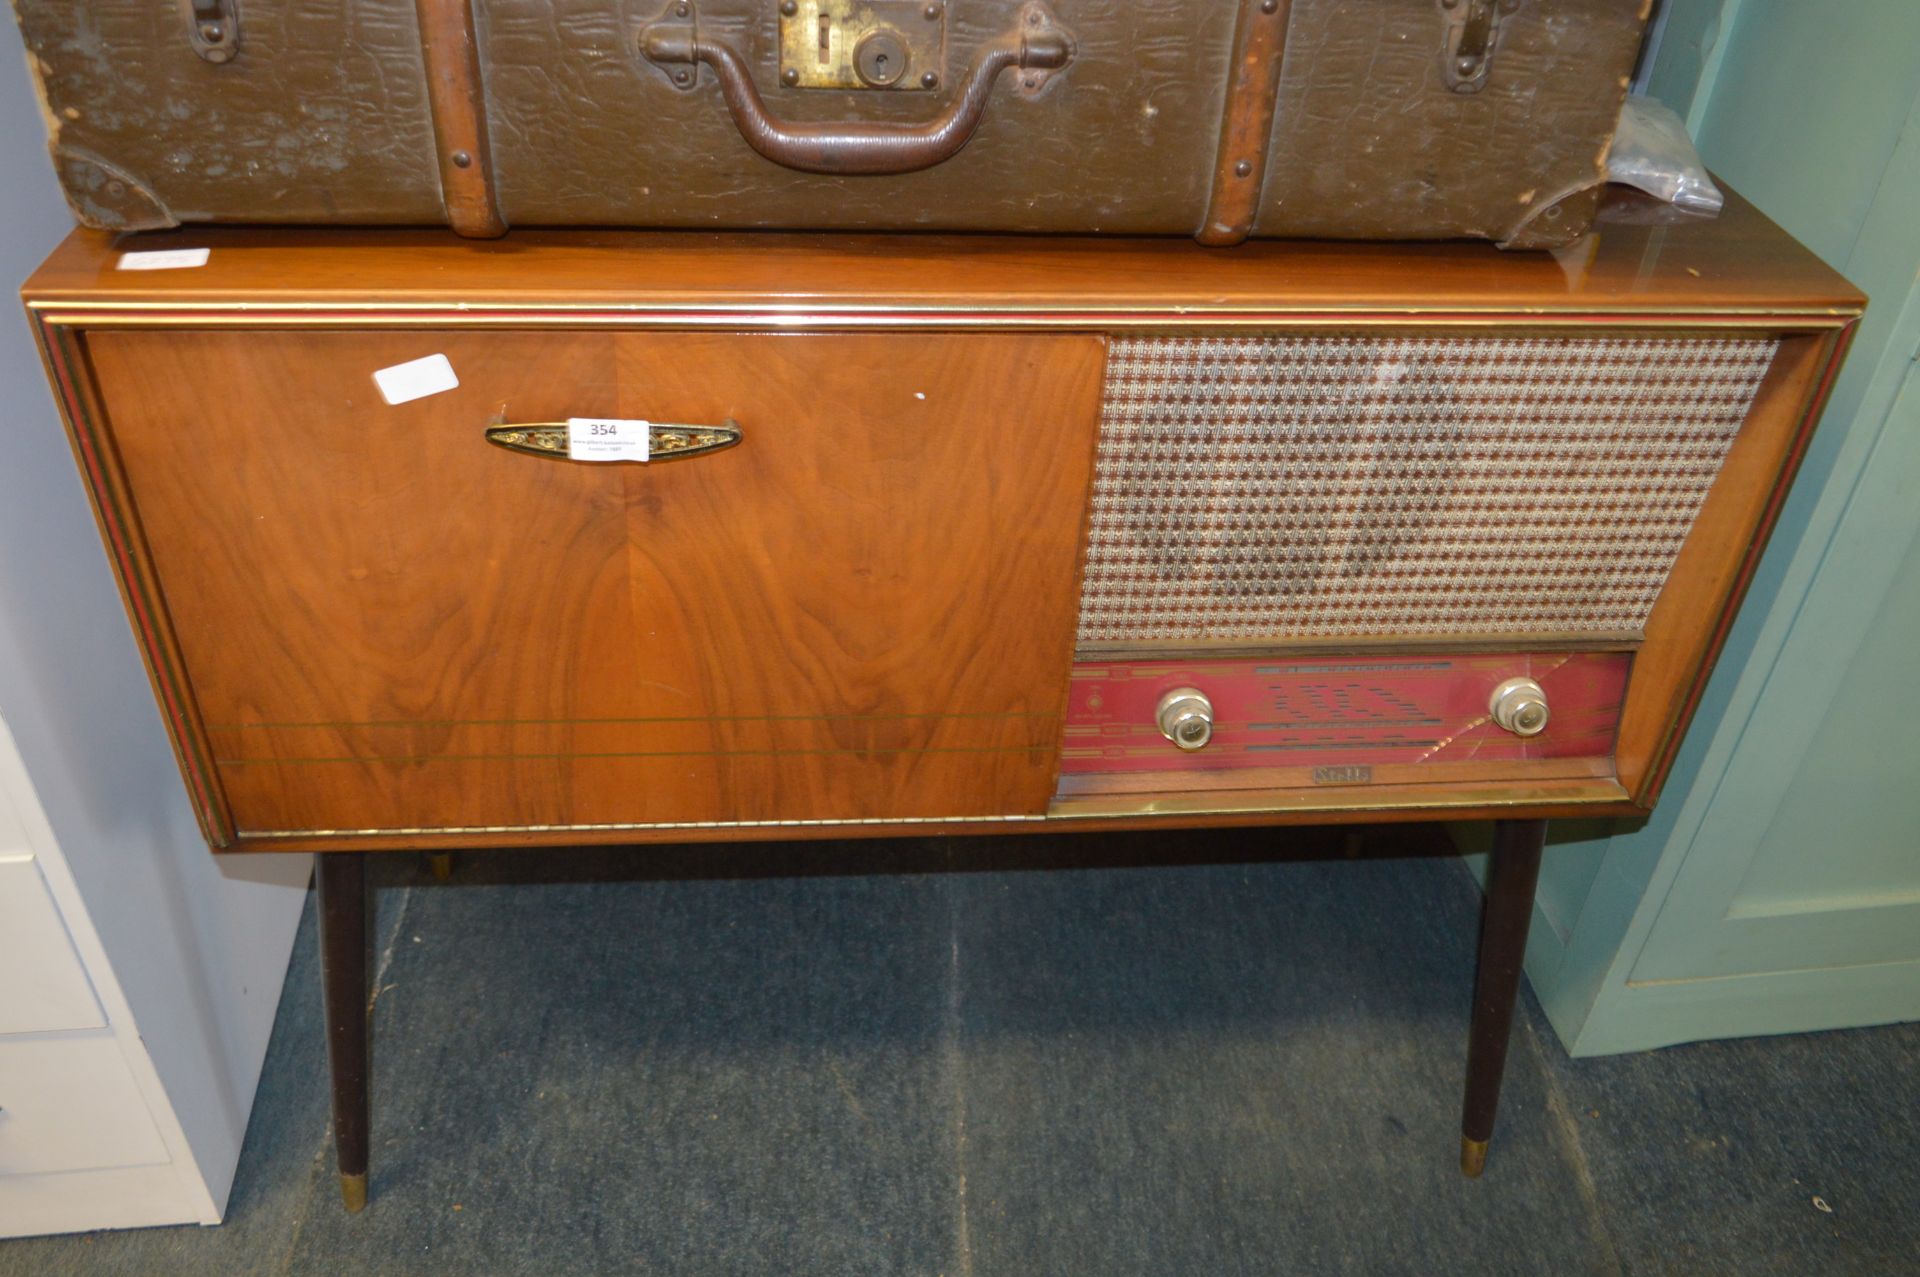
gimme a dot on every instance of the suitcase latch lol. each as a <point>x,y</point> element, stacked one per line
<point>862,44</point>
<point>213,28</point>
<point>1473,31</point>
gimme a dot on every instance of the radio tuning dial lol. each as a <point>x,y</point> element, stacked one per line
<point>1520,706</point>
<point>1185,717</point>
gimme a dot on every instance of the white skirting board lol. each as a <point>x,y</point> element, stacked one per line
<point>117,1114</point>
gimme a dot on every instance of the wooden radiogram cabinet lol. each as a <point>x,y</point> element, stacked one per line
<point>934,535</point>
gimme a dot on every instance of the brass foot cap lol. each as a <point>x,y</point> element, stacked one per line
<point>353,1192</point>
<point>1473,1157</point>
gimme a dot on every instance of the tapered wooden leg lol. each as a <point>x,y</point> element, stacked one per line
<point>1511,880</point>
<point>342,879</point>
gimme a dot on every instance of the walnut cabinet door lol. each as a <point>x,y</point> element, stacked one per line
<point>863,611</point>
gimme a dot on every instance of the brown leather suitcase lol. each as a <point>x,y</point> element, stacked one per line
<point>1366,119</point>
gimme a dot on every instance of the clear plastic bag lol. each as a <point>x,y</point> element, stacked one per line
<point>1651,151</point>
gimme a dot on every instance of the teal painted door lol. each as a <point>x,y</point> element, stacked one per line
<point>1797,903</point>
<point>1778,887</point>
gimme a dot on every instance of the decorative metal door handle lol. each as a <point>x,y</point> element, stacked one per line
<point>1036,44</point>
<point>664,442</point>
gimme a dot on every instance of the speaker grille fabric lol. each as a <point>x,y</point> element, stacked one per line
<point>1314,486</point>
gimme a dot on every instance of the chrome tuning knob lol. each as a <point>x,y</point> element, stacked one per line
<point>1520,706</point>
<point>1185,717</point>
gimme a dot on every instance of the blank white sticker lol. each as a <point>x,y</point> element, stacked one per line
<point>163,258</point>
<point>415,379</point>
<point>607,439</point>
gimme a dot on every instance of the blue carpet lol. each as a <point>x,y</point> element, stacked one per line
<point>1163,1055</point>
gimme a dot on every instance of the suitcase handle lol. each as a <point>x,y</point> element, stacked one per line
<point>1036,44</point>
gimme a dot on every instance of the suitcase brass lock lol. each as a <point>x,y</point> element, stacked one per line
<point>862,44</point>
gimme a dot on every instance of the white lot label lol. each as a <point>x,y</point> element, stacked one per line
<point>606,439</point>
<point>163,258</point>
<point>415,379</point>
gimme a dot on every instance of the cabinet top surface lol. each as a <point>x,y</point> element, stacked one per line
<point>1740,263</point>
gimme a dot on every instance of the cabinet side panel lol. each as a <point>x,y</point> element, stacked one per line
<point>1689,621</point>
<point>69,367</point>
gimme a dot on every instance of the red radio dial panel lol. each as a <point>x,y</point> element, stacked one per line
<point>1323,711</point>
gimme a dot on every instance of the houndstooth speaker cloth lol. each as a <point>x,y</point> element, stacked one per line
<point>1295,487</point>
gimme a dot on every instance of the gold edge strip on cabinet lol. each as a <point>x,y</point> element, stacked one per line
<point>1115,306</point>
<point>1411,794</point>
<point>1767,322</point>
<point>511,314</point>
<point>1113,807</point>
<point>412,760</point>
<point>359,724</point>
<point>465,830</point>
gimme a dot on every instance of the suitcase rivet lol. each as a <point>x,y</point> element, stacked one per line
<point>789,77</point>
<point>681,77</point>
<point>789,8</point>
<point>1243,169</point>
<point>461,159</point>
<point>213,28</point>
<point>1269,6</point>
<point>929,80</point>
<point>682,10</point>
<point>932,13</point>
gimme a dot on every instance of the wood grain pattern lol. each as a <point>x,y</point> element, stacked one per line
<point>451,50</point>
<point>1737,268</point>
<point>1253,82</point>
<point>78,396</point>
<point>859,612</point>
<point>466,621</point>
